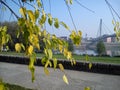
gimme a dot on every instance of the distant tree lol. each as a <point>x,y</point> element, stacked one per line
<point>12,28</point>
<point>101,48</point>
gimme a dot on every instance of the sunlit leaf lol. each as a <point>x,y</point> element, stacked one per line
<point>56,23</point>
<point>36,14</point>
<point>90,65</point>
<point>50,53</point>
<point>50,21</point>
<point>39,3</point>
<point>47,63</point>
<point>113,22</point>
<point>61,48</point>
<point>54,63</point>
<point>61,67</point>
<point>2,86</point>
<point>76,37</point>
<point>74,62</point>
<point>69,55</point>
<point>18,47</point>
<point>23,47</point>
<point>63,24</point>
<point>87,88</point>
<point>46,71</point>
<point>32,68</point>
<point>30,50</point>
<point>65,79</point>
<point>71,1</point>
<point>31,16</point>
<point>22,11</point>
<point>65,52</point>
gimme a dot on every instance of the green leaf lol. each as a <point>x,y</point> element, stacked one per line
<point>56,23</point>
<point>44,59</point>
<point>71,1</point>
<point>36,14</point>
<point>63,24</point>
<point>23,47</point>
<point>86,57</point>
<point>50,21</point>
<point>65,79</point>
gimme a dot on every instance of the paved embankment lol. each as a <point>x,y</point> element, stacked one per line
<point>20,75</point>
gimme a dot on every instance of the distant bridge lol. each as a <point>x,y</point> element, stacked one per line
<point>94,41</point>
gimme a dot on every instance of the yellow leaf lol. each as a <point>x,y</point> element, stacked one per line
<point>55,63</point>
<point>90,65</point>
<point>30,49</point>
<point>61,48</point>
<point>69,55</point>
<point>18,47</point>
<point>50,53</point>
<point>63,24</point>
<point>46,71</point>
<point>74,62</point>
<point>87,88</point>
<point>65,51</point>
<point>23,12</point>
<point>2,87</point>
<point>31,16</point>
<point>61,67</point>
<point>65,79</point>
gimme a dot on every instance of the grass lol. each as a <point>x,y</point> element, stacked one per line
<point>115,60</point>
<point>15,87</point>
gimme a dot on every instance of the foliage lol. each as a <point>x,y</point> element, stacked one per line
<point>101,48</point>
<point>117,29</point>
<point>32,31</point>
<point>12,28</point>
<point>4,37</point>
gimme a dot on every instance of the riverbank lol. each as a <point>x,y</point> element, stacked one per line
<point>97,59</point>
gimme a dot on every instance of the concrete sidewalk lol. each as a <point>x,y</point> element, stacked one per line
<point>20,75</point>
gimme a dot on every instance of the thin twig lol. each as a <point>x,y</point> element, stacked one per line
<point>9,9</point>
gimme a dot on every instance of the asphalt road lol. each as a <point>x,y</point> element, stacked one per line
<point>20,75</point>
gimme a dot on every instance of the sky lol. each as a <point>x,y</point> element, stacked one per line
<point>85,20</point>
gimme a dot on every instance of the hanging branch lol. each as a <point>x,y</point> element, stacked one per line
<point>9,9</point>
<point>84,6</point>
<point>71,16</point>
<point>110,7</point>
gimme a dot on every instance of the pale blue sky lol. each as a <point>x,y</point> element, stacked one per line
<point>85,20</point>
